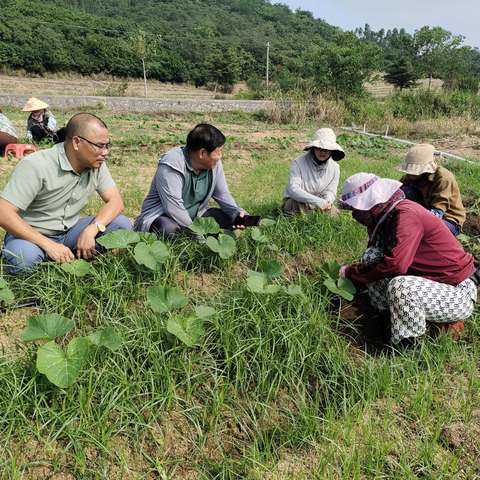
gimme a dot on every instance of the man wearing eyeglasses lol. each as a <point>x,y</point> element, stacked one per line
<point>42,201</point>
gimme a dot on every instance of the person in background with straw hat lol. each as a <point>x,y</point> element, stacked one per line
<point>432,186</point>
<point>41,123</point>
<point>7,132</point>
<point>413,267</point>
<point>314,175</point>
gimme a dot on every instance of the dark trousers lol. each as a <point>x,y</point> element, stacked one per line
<point>165,226</point>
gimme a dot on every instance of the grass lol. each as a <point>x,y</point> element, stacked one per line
<point>275,390</point>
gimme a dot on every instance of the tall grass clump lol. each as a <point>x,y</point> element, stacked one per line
<point>300,107</point>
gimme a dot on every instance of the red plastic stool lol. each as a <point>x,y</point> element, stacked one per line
<point>20,149</point>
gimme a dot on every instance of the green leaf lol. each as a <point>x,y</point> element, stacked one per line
<point>147,237</point>
<point>271,268</point>
<point>331,269</point>
<point>79,268</point>
<point>163,299</point>
<point>106,337</point>
<point>203,311</point>
<point>332,286</point>
<point>152,256</point>
<point>347,285</point>
<point>205,226</point>
<point>46,327</point>
<point>257,282</point>
<point>60,367</point>
<point>257,235</point>
<point>225,245</point>
<point>6,296</point>
<point>118,239</point>
<point>294,290</point>
<point>188,329</point>
<point>267,222</point>
<point>463,238</point>
<point>3,283</point>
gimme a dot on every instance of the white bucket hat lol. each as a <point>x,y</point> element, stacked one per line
<point>325,138</point>
<point>419,159</point>
<point>363,191</point>
<point>34,104</point>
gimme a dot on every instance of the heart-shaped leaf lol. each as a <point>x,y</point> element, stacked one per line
<point>267,222</point>
<point>332,286</point>
<point>46,327</point>
<point>147,237</point>
<point>205,226</point>
<point>294,290</point>
<point>347,285</point>
<point>257,282</point>
<point>118,239</point>
<point>188,329</point>
<point>78,268</point>
<point>60,367</point>
<point>6,295</point>
<point>203,311</point>
<point>163,299</point>
<point>106,337</point>
<point>271,267</point>
<point>257,235</point>
<point>225,245</point>
<point>331,269</point>
<point>153,255</point>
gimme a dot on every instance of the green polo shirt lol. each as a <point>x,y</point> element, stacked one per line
<point>49,193</point>
<point>195,187</point>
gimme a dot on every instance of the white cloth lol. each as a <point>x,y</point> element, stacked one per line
<point>312,183</point>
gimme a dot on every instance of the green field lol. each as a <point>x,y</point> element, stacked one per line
<point>278,387</point>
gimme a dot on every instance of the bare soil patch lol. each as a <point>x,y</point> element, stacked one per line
<point>11,325</point>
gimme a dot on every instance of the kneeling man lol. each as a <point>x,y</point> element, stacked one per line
<point>186,179</point>
<point>42,201</point>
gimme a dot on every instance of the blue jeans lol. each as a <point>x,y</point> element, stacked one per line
<point>21,256</point>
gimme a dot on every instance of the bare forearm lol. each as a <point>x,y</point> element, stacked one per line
<point>109,212</point>
<point>16,226</point>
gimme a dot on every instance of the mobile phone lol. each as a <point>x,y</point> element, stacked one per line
<point>248,220</point>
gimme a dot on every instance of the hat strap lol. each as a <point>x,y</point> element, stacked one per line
<point>359,190</point>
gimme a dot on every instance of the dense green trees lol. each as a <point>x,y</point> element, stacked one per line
<point>220,42</point>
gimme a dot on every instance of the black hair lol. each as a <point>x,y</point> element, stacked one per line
<point>77,125</point>
<point>205,136</point>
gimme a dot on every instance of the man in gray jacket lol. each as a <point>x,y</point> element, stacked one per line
<point>186,179</point>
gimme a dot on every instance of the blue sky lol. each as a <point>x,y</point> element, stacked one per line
<point>457,16</point>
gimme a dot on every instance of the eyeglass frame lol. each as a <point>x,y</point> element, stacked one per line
<point>100,146</point>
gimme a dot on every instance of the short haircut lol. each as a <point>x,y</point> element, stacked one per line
<point>205,136</point>
<point>79,123</point>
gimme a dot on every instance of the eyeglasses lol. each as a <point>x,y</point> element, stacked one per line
<point>100,146</point>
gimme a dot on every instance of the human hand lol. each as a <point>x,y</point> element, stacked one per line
<point>342,271</point>
<point>241,215</point>
<point>86,242</point>
<point>58,252</point>
<point>327,206</point>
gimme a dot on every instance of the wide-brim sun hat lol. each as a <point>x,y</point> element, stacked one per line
<point>419,159</point>
<point>326,139</point>
<point>34,104</point>
<point>363,191</point>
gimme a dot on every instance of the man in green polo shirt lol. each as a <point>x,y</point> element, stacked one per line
<point>42,201</point>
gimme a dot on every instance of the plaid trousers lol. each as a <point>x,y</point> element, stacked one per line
<point>414,301</point>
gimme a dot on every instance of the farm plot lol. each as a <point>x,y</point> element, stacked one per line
<point>226,359</point>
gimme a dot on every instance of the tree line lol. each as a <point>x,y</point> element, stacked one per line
<point>221,42</point>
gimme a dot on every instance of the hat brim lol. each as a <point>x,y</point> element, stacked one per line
<point>335,148</point>
<point>417,169</point>
<point>380,192</point>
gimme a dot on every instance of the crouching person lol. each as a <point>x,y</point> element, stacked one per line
<point>414,267</point>
<point>186,179</point>
<point>314,175</point>
<point>42,201</point>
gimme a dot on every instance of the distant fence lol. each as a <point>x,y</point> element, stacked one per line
<point>134,104</point>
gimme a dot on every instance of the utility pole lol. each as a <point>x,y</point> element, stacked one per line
<point>268,63</point>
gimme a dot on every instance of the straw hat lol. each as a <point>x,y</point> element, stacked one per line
<point>325,138</point>
<point>419,159</point>
<point>363,191</point>
<point>34,104</point>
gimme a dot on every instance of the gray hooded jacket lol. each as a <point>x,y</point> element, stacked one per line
<point>165,195</point>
